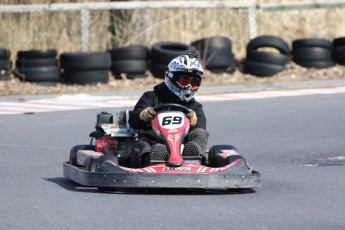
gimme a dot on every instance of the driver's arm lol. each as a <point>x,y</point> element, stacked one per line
<point>145,101</point>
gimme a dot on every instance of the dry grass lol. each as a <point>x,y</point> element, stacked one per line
<point>150,26</point>
<point>50,30</point>
<point>61,30</point>
<point>188,25</point>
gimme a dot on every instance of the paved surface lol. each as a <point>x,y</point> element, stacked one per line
<point>297,143</point>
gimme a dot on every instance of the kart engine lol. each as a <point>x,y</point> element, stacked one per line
<point>114,136</point>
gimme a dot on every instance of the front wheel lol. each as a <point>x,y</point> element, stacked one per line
<point>216,154</point>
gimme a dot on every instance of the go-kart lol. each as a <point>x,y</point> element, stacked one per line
<point>109,162</point>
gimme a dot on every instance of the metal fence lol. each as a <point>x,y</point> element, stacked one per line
<point>84,9</point>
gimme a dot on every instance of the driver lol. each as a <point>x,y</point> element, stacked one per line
<point>182,81</point>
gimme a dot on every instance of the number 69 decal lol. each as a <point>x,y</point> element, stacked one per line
<point>171,120</point>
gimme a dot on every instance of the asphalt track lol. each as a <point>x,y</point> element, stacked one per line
<point>296,142</point>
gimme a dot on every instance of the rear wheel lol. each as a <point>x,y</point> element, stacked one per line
<point>74,150</point>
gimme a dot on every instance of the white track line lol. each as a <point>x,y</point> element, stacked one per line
<point>65,103</point>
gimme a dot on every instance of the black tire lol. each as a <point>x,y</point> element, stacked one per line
<point>164,52</point>
<point>83,77</point>
<point>317,64</point>
<point>39,54</point>
<point>85,61</point>
<point>158,70</point>
<point>5,54</point>
<point>309,54</point>
<point>268,41</point>
<point>73,156</point>
<point>129,76</point>
<point>136,52</point>
<point>339,55</point>
<point>261,69</point>
<point>129,67</point>
<point>36,62</point>
<point>41,74</point>
<point>311,42</point>
<point>217,58</point>
<point>266,57</point>
<point>215,42</point>
<point>338,42</point>
<point>5,64</point>
<point>214,151</point>
<point>5,69</point>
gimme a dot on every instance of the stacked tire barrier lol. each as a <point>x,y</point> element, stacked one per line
<point>264,63</point>
<point>85,67</point>
<point>5,64</point>
<point>131,61</point>
<point>265,56</point>
<point>215,53</point>
<point>163,52</point>
<point>38,66</point>
<point>313,53</point>
<point>339,50</point>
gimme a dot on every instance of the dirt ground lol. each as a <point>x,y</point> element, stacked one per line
<point>293,72</point>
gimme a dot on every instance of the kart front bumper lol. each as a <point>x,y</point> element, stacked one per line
<point>141,180</point>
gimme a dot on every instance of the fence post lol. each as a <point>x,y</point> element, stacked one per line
<point>252,21</point>
<point>84,30</point>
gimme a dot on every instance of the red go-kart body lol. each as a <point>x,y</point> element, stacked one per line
<point>109,163</point>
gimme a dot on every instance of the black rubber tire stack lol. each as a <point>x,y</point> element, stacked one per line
<point>130,60</point>
<point>163,52</point>
<point>85,67</point>
<point>38,66</point>
<point>262,63</point>
<point>313,53</point>
<point>5,64</point>
<point>339,50</point>
<point>215,54</point>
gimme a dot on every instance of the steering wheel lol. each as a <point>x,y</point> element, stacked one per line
<point>171,105</point>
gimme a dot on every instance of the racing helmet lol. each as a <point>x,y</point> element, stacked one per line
<point>183,76</point>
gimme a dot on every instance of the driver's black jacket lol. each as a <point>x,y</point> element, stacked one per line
<point>162,95</point>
